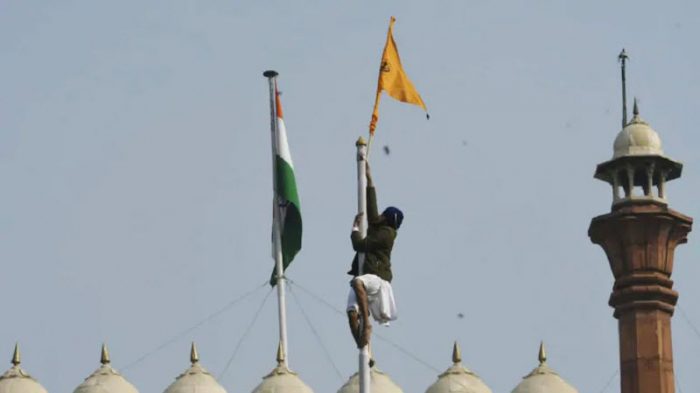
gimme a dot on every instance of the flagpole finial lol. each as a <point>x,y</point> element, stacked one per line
<point>104,356</point>
<point>623,55</point>
<point>270,74</point>
<point>16,358</point>
<point>361,142</point>
<point>194,355</point>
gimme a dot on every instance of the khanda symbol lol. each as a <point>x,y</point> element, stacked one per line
<point>385,67</point>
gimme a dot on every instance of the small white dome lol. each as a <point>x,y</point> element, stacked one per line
<point>379,383</point>
<point>637,139</point>
<point>105,379</point>
<point>16,380</point>
<point>543,379</point>
<point>195,379</point>
<point>281,379</point>
<point>458,379</point>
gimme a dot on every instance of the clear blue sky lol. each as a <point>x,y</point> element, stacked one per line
<point>135,167</point>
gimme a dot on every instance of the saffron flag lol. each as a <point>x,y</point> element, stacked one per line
<point>393,79</point>
<point>286,196</point>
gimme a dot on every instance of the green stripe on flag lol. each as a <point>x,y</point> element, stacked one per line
<point>291,226</point>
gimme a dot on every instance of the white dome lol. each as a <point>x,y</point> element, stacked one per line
<point>637,139</point>
<point>281,379</point>
<point>543,379</point>
<point>379,383</point>
<point>105,379</point>
<point>195,379</point>
<point>16,380</point>
<point>458,379</point>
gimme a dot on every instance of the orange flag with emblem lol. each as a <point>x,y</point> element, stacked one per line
<point>393,79</point>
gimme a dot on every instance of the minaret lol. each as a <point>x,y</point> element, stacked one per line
<point>639,236</point>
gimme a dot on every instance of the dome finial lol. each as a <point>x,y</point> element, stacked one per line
<point>16,358</point>
<point>542,356</point>
<point>280,354</point>
<point>456,353</point>
<point>194,355</point>
<point>104,356</point>
<point>635,110</point>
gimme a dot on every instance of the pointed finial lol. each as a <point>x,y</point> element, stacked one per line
<point>104,357</point>
<point>456,353</point>
<point>623,55</point>
<point>635,110</point>
<point>361,142</point>
<point>542,356</point>
<point>280,354</point>
<point>16,358</point>
<point>194,355</point>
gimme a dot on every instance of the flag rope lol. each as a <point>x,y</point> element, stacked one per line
<point>610,380</point>
<point>326,352</point>
<point>190,329</point>
<point>245,334</point>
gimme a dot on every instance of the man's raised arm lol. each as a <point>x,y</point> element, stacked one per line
<point>372,210</point>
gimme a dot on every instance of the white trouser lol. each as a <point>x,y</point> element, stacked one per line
<point>380,297</point>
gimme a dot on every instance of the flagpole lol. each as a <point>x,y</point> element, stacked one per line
<point>361,145</point>
<point>276,230</point>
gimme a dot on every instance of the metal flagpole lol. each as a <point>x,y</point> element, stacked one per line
<point>276,230</point>
<point>361,145</point>
<point>623,60</point>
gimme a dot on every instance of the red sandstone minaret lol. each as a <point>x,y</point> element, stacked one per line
<point>639,237</point>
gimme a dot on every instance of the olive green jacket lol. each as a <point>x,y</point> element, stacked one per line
<point>376,245</point>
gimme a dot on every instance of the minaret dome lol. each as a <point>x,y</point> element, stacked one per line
<point>638,165</point>
<point>281,379</point>
<point>457,378</point>
<point>16,380</point>
<point>105,379</point>
<point>195,379</point>
<point>543,379</point>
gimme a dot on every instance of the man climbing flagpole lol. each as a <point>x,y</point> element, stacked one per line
<point>372,239</point>
<point>373,234</point>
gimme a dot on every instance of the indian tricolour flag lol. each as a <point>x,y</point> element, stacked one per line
<point>286,193</point>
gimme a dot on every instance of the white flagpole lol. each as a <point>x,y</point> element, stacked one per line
<point>276,226</point>
<point>361,145</point>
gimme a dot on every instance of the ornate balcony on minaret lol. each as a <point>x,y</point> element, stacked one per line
<point>639,237</point>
